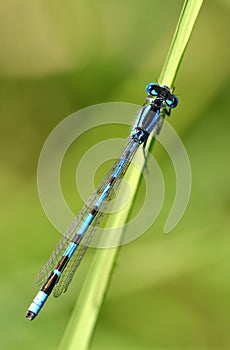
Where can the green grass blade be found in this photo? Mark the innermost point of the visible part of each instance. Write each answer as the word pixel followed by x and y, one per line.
pixel 180 41
pixel 85 314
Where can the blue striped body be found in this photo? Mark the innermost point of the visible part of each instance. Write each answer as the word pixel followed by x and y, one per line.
pixel 43 294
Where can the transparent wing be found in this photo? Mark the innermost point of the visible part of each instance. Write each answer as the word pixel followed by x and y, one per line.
pixel 69 234
pixel 72 266
pixel 67 274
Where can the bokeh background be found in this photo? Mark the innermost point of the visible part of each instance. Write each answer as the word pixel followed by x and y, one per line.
pixel 168 291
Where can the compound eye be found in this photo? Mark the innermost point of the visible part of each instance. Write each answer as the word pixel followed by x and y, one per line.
pixel 172 102
pixel 152 89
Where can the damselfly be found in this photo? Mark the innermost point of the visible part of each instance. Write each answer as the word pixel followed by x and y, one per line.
pixel 58 272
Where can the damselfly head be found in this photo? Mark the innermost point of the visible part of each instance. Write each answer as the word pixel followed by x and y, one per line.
pixel 163 92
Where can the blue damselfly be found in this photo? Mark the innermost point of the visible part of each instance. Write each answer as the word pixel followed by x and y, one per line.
pixel 55 276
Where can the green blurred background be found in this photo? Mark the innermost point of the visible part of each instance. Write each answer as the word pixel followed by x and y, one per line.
pixel 168 291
